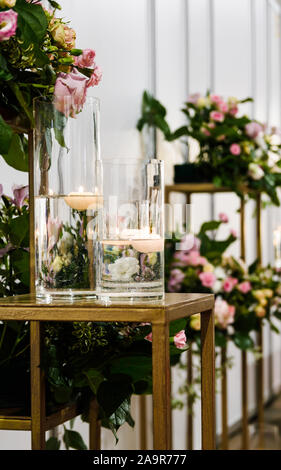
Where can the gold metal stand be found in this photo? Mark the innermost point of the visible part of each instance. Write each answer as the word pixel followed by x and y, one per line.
pixel 28 308
pixel 195 188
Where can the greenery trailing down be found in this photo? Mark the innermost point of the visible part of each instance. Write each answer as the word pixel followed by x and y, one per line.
pixel 234 151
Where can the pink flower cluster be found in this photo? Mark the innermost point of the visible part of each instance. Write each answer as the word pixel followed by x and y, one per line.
pixel 71 88
pixel 87 60
pixel 179 339
pixel 224 313
pixel 208 279
pixel 229 284
pixel 8 24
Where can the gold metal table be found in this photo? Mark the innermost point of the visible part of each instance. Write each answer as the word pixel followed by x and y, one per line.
pixel 159 314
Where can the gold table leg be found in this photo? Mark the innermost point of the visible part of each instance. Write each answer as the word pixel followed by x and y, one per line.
pixel 245 431
pixel 208 380
pixel 143 436
pixel 224 413
pixel 94 426
pixel 161 387
pixel 38 411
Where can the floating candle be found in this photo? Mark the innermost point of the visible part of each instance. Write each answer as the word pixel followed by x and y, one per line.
pixel 82 201
pixel 140 240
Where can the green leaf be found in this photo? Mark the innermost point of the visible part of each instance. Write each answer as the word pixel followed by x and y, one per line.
pixel 212 225
pixel 220 339
pixel 19 230
pixel 243 341
pixel 137 367
pixel 20 262
pixel 5 74
pixel 73 440
pixel 119 417
pixel 52 444
pixel 6 135
pixel 17 156
pixel 54 4
pixel 177 325
pixel 32 22
pixel 113 392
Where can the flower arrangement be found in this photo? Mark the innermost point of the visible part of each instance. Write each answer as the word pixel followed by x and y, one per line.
pixel 234 151
pixel 244 295
pixel 38 58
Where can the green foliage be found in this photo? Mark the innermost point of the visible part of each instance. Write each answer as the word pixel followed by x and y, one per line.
pixel 73 440
pixel 53 444
pixel 256 166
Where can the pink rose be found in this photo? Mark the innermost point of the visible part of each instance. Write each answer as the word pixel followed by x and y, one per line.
pixel 223 217
pixel 245 287
pixel 229 284
pixel 70 92
pixel 20 196
pixel 223 107
pixel 220 138
pixel 216 99
pixel 69 37
pixel 8 24
pixel 217 116
pixel 211 125
pixel 86 59
pixel 149 337
pixel 235 149
pixel 95 78
pixel 180 340
pixel 233 233
pixel 253 129
pixel 194 259
pixel 224 313
pixel 208 279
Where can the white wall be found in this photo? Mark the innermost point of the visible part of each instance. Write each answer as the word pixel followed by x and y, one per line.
pixel 176 47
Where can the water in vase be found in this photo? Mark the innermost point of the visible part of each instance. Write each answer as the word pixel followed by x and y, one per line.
pixel 132 269
pixel 65 244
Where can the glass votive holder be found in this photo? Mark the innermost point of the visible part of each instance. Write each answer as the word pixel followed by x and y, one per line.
pixel 131 244
pixel 68 196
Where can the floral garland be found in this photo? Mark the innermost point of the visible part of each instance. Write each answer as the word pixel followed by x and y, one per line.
pixel 244 295
pixel 234 151
pixel 38 58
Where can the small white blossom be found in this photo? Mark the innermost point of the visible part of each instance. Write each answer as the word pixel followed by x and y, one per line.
pixel 124 268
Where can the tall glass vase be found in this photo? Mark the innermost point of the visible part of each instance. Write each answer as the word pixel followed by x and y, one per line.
pixel 131 243
pixel 68 197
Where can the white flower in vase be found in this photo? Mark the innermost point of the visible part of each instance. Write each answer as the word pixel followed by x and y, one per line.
pixel 124 268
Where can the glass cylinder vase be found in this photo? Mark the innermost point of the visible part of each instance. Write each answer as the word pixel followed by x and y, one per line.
pixel 131 245
pixel 68 196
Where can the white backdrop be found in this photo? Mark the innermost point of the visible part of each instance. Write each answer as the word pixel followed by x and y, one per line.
pixel 173 48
